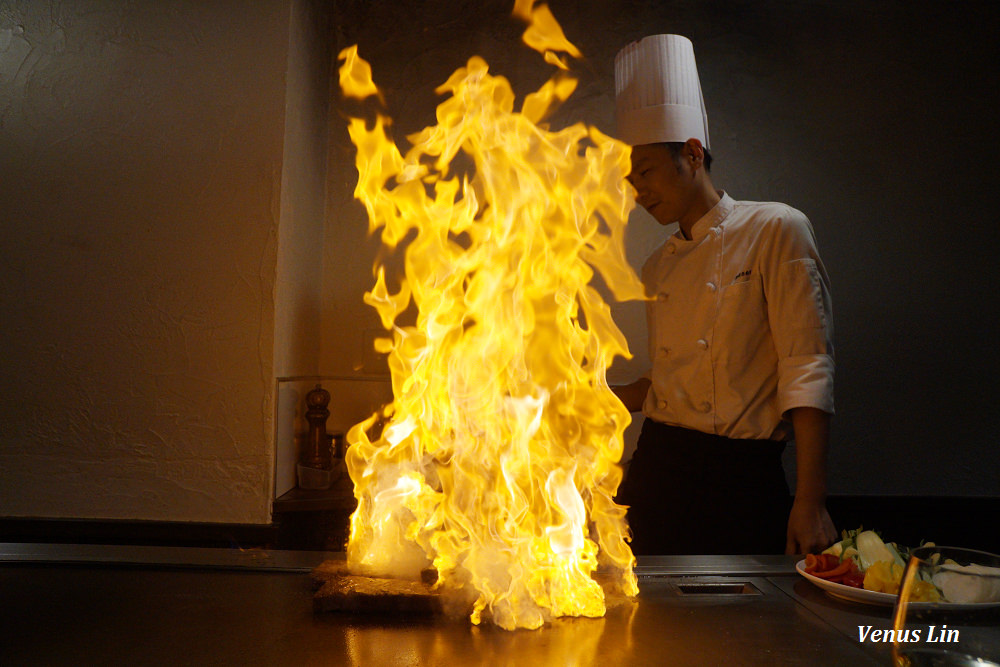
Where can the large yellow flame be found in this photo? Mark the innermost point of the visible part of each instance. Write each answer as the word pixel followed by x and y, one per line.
pixel 499 461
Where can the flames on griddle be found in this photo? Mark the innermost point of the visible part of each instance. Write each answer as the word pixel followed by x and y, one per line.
pixel 498 464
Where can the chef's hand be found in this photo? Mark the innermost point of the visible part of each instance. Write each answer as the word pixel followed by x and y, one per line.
pixel 810 529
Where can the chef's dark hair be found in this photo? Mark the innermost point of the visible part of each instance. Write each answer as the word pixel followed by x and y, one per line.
pixel 676 148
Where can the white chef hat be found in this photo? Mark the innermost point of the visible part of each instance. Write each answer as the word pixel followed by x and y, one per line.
pixel 657 92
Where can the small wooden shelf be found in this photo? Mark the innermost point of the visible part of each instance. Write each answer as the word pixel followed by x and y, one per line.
pixel 309 519
pixel 339 497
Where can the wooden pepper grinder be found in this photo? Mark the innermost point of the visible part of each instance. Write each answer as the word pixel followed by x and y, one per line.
pixel 316 453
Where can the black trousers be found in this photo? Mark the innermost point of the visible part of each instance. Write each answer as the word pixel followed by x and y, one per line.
pixel 695 493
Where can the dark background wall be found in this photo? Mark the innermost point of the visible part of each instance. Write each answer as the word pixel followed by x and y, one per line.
pixel 877 119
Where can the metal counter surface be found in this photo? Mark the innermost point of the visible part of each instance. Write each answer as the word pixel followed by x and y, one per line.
pixel 849 617
pixel 140 606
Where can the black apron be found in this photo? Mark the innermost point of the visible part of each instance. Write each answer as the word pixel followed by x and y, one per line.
pixel 696 493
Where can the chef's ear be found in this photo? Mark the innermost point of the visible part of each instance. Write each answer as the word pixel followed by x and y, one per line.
pixel 694 153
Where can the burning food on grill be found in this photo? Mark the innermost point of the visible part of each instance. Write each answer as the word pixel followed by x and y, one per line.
pixel 339 590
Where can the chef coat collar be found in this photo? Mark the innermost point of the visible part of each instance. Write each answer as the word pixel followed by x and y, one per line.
pixel 713 218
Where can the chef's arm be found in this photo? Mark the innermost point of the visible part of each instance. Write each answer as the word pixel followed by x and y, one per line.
pixel 633 395
pixel 810 529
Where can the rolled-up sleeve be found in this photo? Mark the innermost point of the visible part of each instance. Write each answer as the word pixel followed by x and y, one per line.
pixel 800 313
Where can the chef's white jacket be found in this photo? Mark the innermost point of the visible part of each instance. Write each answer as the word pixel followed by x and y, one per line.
pixel 740 323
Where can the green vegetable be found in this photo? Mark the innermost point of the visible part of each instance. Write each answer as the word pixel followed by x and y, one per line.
pixel 871 549
pixel 897 557
pixel 847 547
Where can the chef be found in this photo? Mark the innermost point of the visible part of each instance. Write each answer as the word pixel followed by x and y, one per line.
pixel 740 338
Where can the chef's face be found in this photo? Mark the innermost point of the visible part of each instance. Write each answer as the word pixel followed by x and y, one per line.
pixel 663 185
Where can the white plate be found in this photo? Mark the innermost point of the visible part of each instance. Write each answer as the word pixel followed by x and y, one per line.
pixel 843 592
pixel 851 594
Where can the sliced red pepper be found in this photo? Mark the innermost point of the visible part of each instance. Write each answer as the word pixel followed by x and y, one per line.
pixel 841 569
pixel 821 563
pixel 854 580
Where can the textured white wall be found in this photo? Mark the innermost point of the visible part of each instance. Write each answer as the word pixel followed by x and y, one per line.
pixel 140 171
pixel 303 192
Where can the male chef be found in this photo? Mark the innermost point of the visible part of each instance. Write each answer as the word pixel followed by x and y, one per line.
pixel 740 338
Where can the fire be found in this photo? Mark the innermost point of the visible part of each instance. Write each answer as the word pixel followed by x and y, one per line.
pixel 498 463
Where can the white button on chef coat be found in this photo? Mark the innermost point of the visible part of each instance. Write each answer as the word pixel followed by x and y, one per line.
pixel 767 313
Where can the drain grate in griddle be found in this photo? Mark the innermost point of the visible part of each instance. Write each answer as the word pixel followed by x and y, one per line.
pixel 726 588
